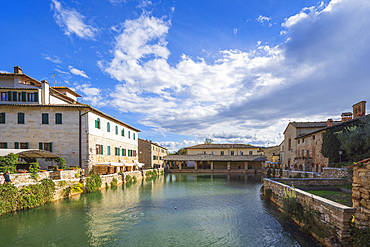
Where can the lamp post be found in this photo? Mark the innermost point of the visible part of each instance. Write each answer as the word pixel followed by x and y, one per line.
pixel 340 156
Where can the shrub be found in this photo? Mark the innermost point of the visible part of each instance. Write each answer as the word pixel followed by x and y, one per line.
pixel 134 179
pixel 162 172
pixel 281 172
pixel 8 162
pixel 269 173
pixel 62 183
pixel 93 183
pixel 128 179
pixel 34 170
pixel 28 197
pixel 114 182
pixel 360 236
pixel 155 172
pixel 305 175
pixel 268 193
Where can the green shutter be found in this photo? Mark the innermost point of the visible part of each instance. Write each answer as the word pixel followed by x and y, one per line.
pixel 123 132
pixel 40 146
pixel 36 96
pixel 101 146
pixel 2 118
pixel 119 152
pixel 96 124
pixel 108 150
pixel 5 145
pixel 134 136
pixel 24 96
pixel 14 96
pixel 51 147
pixel 16 145
pixel 10 96
pixel 26 145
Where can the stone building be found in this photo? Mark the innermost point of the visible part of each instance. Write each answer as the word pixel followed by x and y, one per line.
pixel 272 156
pixel 218 158
pixel 151 154
pixel 301 148
pixel 36 116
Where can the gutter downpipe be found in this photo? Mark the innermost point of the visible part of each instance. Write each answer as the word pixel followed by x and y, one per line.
pixel 80 136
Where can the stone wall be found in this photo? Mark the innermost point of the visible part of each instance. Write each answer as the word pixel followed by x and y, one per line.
pixel 287 173
pixel 21 179
pixel 312 181
pixel 329 172
pixel 332 216
pixel 361 193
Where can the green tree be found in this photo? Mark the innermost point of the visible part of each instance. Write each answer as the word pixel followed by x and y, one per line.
pixel 8 163
pixel 208 141
pixel 330 146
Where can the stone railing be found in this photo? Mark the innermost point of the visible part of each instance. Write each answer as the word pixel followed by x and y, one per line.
pixel 361 193
pixel 331 216
pixel 20 179
pixel 312 181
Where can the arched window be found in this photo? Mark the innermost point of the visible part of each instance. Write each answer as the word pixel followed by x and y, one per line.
pixel 108 127
pixel 97 123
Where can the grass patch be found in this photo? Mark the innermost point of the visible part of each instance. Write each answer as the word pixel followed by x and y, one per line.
pixel 335 196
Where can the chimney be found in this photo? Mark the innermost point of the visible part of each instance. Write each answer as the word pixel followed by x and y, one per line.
pixel 346 116
pixel 329 122
pixel 17 70
pixel 359 109
pixel 45 98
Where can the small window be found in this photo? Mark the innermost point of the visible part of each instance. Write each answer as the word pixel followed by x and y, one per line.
pixel 232 153
pixel 58 118
pixel 97 123
pixel 45 118
pixel 14 96
pixel 250 152
pixel 211 152
pixel 123 132
pixel 302 140
pixel 313 137
pixel 30 97
pixel 108 150
pixel 16 145
pixel 23 145
pixel 48 146
pixel 3 145
pixel 20 118
pixel 108 127
pixel 222 152
pixel 4 96
pixel 2 118
pixel 298 141
pixel 241 152
pixel 99 149
pixel 129 134
pixel 124 152
pixel 134 135
pixel 116 130
pixel 204 152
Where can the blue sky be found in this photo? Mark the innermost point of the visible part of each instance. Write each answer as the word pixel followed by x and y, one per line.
pixel 183 71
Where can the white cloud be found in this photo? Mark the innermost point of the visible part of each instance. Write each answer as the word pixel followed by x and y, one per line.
pixel 53 59
pixel 235 31
pixel 264 20
pixel 245 96
pixel 72 22
pixel 77 72
pixel 4 71
pixel 93 95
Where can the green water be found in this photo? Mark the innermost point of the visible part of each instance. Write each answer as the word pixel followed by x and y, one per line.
pixel 212 210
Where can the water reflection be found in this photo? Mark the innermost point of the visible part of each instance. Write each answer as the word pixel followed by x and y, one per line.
pixel 212 210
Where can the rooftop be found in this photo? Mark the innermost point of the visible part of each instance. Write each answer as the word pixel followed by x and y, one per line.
pixel 215 146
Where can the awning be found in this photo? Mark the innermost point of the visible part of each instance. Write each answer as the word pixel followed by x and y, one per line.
pixel 109 164
pixel 28 153
pixel 139 164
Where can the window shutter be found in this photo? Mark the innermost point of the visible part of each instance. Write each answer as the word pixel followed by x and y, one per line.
pixel 16 145
pixel 5 145
pixel 51 147
pixel 2 118
pixel 10 96
pixel 96 124
pixel 26 145
pixel 40 145
pixel 24 96
pixel 119 152
pixel 123 132
pixel 101 146
pixel 14 96
pixel 36 95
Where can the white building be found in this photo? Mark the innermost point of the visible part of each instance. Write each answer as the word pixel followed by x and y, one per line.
pixel 36 116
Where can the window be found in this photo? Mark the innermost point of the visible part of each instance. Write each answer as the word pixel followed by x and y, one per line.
pixel 116 130
pixel 211 152
pixel 123 132
pixel 241 152
pixel 3 145
pixel 123 152
pixel 16 145
pixel 45 118
pixel 2 118
pixel 14 96
pixel 108 150
pixel 302 140
pixel 232 153
pixel 97 123
pixel 134 136
pixel 289 144
pixel 298 141
pixel 4 96
pixel 58 118
pixel 222 152
pixel 48 146
pixel 129 134
pixel 117 151
pixel 204 152
pixel 108 127
pixel 24 96
pixel 308 154
pixel 30 97
pixel 313 137
pixel 134 153
pixel 20 118
pixel 23 145
pixel 99 149
pixel 250 152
